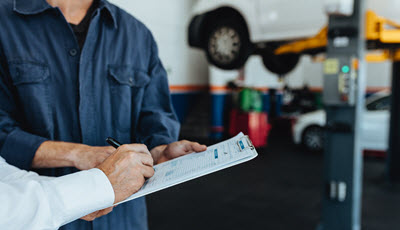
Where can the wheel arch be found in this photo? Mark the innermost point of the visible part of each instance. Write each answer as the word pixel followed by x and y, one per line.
pixel 310 126
pixel 307 128
pixel 203 23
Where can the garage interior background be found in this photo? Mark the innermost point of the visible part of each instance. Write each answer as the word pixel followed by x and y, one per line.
pixel 190 75
pixel 199 94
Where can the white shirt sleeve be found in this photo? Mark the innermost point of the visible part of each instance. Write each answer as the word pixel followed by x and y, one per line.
pixel 31 201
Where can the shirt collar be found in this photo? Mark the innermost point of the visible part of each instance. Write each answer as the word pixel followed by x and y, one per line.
pixel 110 9
pixel 31 7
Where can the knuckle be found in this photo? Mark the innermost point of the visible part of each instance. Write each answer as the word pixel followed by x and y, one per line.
pixel 147 157
pixel 142 146
pixel 136 166
pixel 131 155
pixel 124 147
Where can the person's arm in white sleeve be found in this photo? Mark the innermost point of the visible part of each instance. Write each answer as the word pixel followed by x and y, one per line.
pixel 11 173
pixel 30 201
pixel 52 202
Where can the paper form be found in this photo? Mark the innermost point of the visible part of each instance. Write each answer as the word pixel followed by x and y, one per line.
pixel 217 157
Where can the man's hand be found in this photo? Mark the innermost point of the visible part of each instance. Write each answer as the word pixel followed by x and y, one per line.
pixel 168 152
pixel 127 169
pixel 97 214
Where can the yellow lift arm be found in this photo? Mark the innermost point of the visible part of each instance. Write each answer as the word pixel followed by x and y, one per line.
pixel 378 30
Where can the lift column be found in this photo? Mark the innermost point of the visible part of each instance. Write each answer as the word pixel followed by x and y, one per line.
pixel 394 135
pixel 343 95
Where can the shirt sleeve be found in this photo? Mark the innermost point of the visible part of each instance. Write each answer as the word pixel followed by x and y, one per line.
pixel 47 203
pixel 158 123
pixel 16 146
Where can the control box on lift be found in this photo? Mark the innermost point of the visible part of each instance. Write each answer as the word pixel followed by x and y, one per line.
pixel 341 78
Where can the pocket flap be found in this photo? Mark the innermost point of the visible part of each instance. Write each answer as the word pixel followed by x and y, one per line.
pixel 129 76
pixel 28 72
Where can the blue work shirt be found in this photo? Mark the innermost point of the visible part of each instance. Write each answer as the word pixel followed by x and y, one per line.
pixel 50 90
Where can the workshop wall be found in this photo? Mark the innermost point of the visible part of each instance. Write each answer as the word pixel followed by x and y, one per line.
pixel 186 67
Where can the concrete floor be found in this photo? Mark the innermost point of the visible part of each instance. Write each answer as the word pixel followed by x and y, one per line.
pixel 280 189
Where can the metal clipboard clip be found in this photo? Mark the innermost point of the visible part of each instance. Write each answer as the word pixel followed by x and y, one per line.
pixel 241 144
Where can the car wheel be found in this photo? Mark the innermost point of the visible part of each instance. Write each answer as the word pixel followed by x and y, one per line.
pixel 228 45
pixel 313 139
pixel 280 64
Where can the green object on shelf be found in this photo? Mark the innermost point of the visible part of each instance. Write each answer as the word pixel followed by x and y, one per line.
pixel 250 100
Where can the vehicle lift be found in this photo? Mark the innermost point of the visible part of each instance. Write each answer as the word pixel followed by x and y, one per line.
pixel 345 40
pixel 382 35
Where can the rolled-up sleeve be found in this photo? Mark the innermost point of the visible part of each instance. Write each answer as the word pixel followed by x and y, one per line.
pixel 16 146
pixel 158 123
pixel 48 203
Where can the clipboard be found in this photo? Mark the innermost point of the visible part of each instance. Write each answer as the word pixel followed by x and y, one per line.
pixel 241 143
pixel 238 149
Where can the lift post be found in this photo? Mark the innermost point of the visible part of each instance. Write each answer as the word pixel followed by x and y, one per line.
pixel 343 95
pixel 393 161
pixel 380 34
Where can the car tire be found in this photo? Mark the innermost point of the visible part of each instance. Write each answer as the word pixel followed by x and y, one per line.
pixel 280 64
pixel 313 138
pixel 228 45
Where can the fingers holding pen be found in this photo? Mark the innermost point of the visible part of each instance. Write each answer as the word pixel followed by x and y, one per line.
pixel 147 171
pixel 139 148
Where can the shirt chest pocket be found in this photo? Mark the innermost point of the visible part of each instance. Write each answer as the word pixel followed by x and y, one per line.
pixel 31 82
pixel 127 89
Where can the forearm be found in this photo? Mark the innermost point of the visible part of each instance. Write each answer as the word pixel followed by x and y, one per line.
pixel 53 154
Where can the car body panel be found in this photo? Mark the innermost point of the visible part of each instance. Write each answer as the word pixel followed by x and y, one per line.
pixel 287 19
pixel 280 20
pixel 375 130
pixel 374 125
pixel 317 118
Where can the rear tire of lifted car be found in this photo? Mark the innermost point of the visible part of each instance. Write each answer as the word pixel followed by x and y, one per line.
pixel 280 64
pixel 227 44
pixel 313 138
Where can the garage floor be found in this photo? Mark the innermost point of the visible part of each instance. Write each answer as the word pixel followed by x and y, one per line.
pixel 280 189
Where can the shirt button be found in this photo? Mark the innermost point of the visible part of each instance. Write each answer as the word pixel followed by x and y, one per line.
pixel 73 52
pixel 131 80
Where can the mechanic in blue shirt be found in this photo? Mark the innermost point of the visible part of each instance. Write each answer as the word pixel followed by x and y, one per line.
pixel 68 81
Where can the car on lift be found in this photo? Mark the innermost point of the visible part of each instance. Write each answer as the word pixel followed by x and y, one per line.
pixel 307 129
pixel 229 31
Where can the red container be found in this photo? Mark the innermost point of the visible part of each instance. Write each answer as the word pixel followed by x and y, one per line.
pixel 253 124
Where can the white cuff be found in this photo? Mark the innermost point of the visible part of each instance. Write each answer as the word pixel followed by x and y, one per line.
pixel 80 194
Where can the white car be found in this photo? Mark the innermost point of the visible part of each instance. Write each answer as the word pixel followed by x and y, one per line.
pixel 229 31
pixel 308 128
